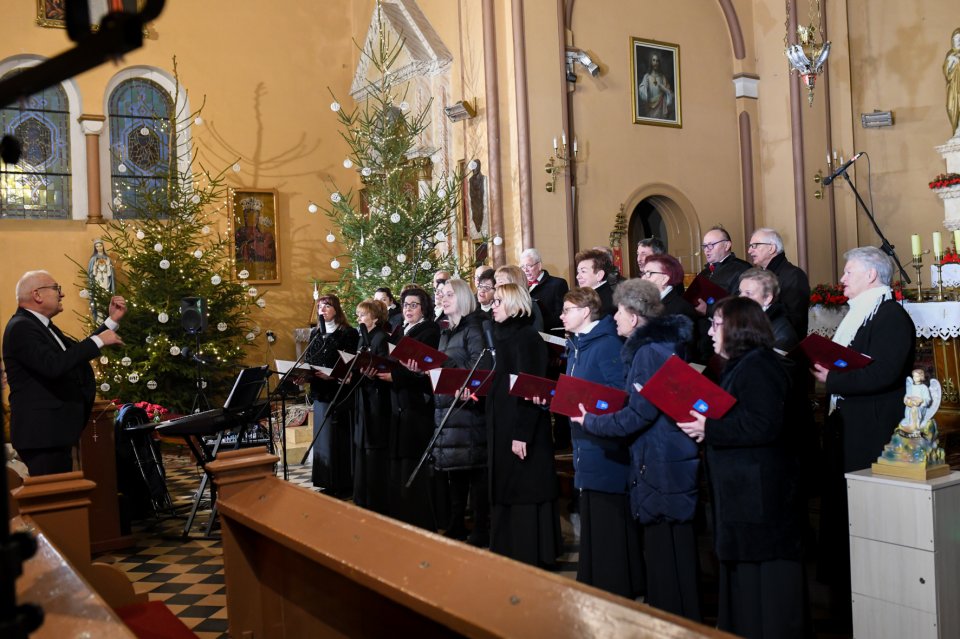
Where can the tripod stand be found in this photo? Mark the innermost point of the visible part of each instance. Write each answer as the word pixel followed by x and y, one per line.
pixel 200 401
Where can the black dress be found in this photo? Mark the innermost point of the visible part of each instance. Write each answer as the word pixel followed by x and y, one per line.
pixel 332 453
pixel 411 427
pixel 371 434
pixel 525 523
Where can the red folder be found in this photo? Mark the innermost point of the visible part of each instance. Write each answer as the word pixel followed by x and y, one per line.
pixel 365 360
pixel 676 389
pixel 426 357
pixel 702 288
pixel 817 349
pixel 596 398
pixel 447 381
pixel 525 385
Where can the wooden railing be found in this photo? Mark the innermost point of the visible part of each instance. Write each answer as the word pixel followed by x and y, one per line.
pixel 300 564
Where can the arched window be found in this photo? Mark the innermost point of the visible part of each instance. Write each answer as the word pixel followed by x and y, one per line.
pixel 39 186
pixel 142 152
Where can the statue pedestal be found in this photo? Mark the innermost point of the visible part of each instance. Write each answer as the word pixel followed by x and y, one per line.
pixel 951 194
pixel 906 470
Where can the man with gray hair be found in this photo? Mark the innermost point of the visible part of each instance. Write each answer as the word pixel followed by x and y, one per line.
pixel 865 404
pixel 52 386
pixel 766 251
pixel 545 289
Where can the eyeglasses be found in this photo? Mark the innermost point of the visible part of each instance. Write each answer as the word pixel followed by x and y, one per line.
pixel 753 245
pixel 706 246
pixel 411 305
pixel 485 287
pixel 497 301
pixel 56 287
pixel 714 322
pixel 567 309
pixel 439 282
pixel 645 273
pixel 525 267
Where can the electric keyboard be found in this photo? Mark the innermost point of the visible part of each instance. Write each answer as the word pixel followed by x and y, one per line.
pixel 206 422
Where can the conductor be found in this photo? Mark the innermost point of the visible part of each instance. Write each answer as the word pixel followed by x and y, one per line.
pixel 52 386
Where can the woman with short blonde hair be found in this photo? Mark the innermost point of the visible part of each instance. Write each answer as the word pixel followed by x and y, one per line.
pixel 514 300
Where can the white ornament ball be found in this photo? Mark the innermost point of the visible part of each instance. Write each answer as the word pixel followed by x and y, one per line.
pixel 473 165
pixel 118 201
pixel 250 337
pixel 426 265
pixel 262 303
pixel 126 361
pixel 334 264
pixel 133 378
pixel 195 199
pixel 174 350
pixel 84 293
pixel 163 318
pixel 497 241
pixel 164 264
pixel 222 326
pixel 198 254
pixel 312 208
pixel 144 131
pixel 150 339
pixel 395 218
pixel 441 193
pixel 401 258
pixel 104 387
pixel 334 106
pixel 205 230
pixel 366 171
pixel 331 237
pixel 335 197
pixel 252 291
pixel 404 106
pixel 158 247
pixel 122 168
pixel 152 384
pixel 104 360
pixel 441 236
pixel 348 163
pixel 198 121
pixel 141 235
pixel 386 271
pixel 236 167
pixel 244 274
pixel 215 280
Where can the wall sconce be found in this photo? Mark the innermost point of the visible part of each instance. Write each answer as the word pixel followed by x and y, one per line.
pixel 461 110
pixel 834 160
pixel 559 161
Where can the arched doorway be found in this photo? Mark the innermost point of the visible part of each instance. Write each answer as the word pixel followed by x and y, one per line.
pixel 663 212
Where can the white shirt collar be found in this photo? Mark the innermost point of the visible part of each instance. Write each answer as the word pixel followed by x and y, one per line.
pixel 39 316
pixel 665 292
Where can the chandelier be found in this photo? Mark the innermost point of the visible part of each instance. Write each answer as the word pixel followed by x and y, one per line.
pixel 808 55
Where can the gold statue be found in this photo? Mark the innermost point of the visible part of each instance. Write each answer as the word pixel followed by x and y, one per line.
pixel 914 450
pixel 951 71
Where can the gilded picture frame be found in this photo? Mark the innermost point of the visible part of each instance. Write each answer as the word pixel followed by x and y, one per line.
pixel 50 13
pixel 655 78
pixel 255 234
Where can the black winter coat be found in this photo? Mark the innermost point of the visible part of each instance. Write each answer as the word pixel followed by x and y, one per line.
pixel 752 462
pixel 784 334
pixel 514 481
pixel 323 352
pixel 872 403
pixel 463 442
pixel 664 461
pixel 794 292
pixel 548 293
pixel 413 400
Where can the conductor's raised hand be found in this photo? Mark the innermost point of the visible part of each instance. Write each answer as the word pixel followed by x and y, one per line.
pixel 118 308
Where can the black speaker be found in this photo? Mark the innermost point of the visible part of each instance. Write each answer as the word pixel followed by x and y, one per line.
pixel 193 315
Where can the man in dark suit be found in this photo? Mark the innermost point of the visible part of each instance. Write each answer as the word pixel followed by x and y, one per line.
pixel 766 251
pixel 52 386
pixel 723 266
pixel 545 289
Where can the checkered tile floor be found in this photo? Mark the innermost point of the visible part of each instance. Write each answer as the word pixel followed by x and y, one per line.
pixel 187 574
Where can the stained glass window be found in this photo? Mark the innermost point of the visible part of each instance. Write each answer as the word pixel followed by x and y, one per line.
pixel 39 186
pixel 141 116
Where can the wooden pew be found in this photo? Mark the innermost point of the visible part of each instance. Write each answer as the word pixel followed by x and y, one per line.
pixel 301 564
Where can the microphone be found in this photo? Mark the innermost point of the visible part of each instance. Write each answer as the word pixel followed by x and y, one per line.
pixel 195 357
pixel 323 326
pixel 364 335
pixel 488 335
pixel 827 181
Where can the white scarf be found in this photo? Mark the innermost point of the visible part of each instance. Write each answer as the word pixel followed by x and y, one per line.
pixel 862 309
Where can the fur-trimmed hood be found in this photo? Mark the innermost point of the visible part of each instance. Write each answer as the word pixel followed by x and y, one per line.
pixel 674 329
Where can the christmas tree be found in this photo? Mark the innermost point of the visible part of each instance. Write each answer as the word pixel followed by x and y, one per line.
pixel 164 249
pixel 391 230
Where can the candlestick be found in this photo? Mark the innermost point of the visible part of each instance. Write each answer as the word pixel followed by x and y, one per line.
pixel 918 265
pixel 915 245
pixel 937 244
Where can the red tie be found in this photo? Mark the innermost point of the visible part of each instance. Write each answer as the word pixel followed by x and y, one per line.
pixel 531 283
pixel 712 267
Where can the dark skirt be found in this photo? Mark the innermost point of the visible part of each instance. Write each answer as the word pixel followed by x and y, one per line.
pixel 412 505
pixel 671 559
pixel 527 532
pixel 611 555
pixel 332 458
pixel 763 599
pixel 370 479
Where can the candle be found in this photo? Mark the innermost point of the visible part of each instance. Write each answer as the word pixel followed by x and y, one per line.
pixel 834 155
pixel 563 138
pixel 956 240
pixel 554 144
pixel 828 159
pixel 937 244
pixel 915 245
pixel 574 146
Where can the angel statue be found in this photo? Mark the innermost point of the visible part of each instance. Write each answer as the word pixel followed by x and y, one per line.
pixel 915 440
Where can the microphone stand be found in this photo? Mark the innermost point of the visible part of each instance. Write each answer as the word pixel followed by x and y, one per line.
pixel 885 245
pixel 449 413
pixel 333 402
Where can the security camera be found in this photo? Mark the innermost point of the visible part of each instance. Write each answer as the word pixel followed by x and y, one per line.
pixel 580 56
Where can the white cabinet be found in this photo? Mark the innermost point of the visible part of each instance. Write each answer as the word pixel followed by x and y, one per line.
pixel 904 556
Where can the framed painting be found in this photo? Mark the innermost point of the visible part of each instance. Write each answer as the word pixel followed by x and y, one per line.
pixel 51 13
pixel 255 241
pixel 655 70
